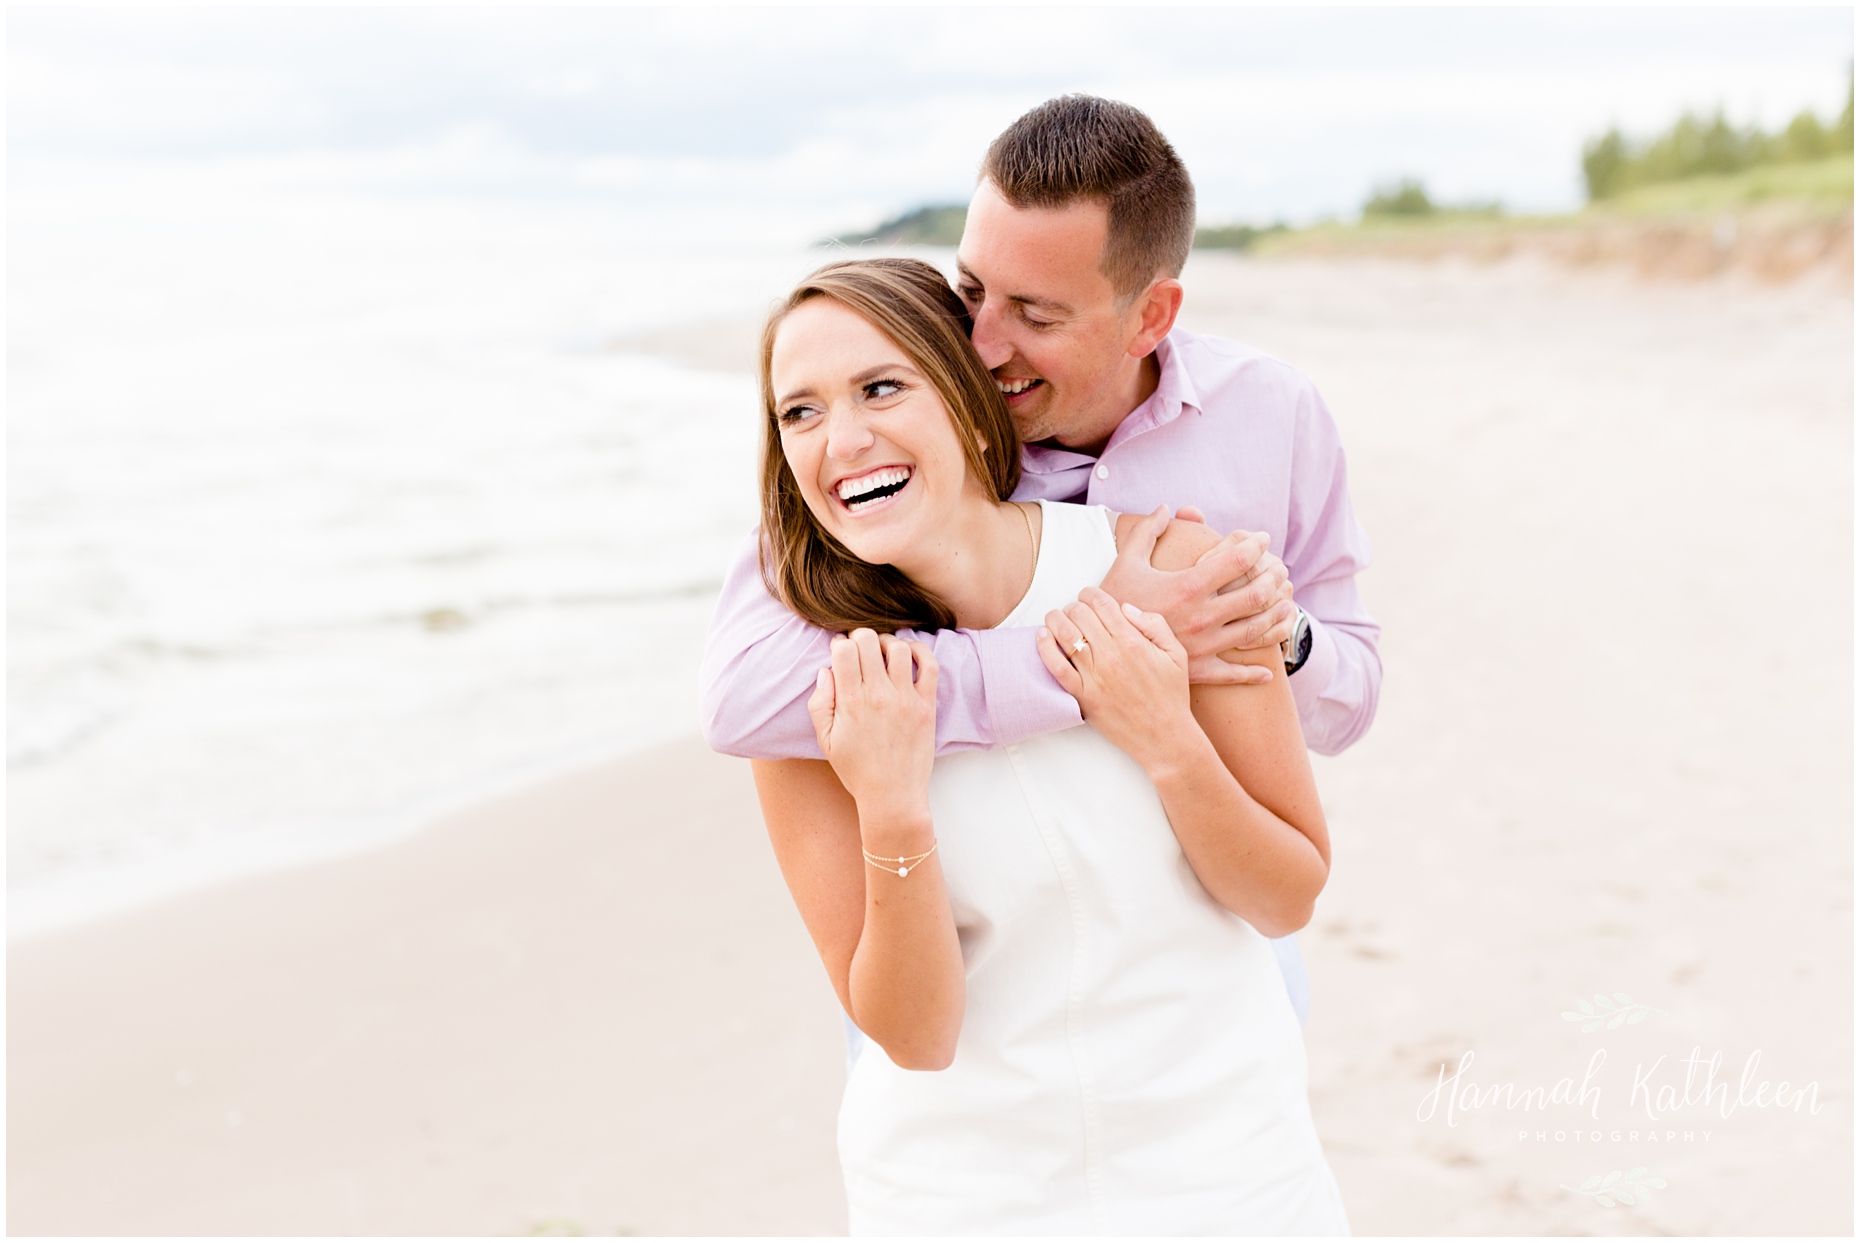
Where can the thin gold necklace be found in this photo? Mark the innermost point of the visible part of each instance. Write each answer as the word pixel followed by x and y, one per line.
pixel 1033 541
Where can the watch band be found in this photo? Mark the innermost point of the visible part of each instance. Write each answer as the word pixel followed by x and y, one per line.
pixel 1297 649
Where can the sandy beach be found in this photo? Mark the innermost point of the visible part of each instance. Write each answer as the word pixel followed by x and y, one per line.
pixel 1613 529
pixel 589 1008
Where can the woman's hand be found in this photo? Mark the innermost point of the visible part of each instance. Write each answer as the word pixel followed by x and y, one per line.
pixel 888 939
pixel 1130 676
pixel 877 727
pixel 1233 773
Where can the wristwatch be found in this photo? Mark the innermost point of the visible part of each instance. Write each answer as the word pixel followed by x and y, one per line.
pixel 1297 649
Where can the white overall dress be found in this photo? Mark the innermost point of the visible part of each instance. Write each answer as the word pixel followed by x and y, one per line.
pixel 1129 1061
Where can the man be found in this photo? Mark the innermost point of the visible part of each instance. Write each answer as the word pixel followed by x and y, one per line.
pixel 1078 230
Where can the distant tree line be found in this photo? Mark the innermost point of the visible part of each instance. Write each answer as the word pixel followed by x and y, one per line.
pixel 939 224
pixel 1698 146
pixel 1409 197
pixel 1695 146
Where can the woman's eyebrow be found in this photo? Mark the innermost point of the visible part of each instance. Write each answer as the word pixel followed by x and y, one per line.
pixel 884 369
pixel 864 377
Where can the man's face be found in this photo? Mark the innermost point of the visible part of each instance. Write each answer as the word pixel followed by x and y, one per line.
pixel 1047 322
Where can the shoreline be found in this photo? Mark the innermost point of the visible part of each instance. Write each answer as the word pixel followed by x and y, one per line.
pixel 84 895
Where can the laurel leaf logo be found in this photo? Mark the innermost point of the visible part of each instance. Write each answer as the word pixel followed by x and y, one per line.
pixel 1615 1187
pixel 1609 1012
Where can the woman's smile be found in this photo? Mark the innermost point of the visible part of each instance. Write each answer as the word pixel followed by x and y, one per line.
pixel 871 489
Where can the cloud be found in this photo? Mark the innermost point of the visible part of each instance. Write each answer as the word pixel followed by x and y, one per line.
pixel 1279 112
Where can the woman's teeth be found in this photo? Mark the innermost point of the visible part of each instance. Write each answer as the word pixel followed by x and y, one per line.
pixel 867 489
pixel 1010 387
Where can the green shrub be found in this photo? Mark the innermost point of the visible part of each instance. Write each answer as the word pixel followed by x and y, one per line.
pixel 1233 236
pixel 1699 146
pixel 1406 197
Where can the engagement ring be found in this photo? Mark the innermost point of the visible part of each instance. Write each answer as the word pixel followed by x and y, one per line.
pixel 1078 647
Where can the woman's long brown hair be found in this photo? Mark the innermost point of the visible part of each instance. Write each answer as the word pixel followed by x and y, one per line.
pixel 805 567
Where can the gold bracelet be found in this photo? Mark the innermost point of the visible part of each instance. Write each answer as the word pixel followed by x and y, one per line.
pixel 904 863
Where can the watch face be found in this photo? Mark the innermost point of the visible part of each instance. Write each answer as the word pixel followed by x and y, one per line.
pixel 1300 645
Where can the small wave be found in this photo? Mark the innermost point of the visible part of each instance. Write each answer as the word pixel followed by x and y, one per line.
pixel 43 740
pixel 491 606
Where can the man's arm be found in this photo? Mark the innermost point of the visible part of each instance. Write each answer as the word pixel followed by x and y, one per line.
pixel 1325 547
pixel 761 662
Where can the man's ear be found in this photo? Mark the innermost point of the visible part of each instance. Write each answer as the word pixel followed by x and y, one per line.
pixel 1157 308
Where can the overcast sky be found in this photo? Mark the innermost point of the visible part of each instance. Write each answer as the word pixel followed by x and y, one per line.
pixel 855 112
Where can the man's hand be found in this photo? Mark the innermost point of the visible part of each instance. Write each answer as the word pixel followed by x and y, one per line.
pixel 1237 595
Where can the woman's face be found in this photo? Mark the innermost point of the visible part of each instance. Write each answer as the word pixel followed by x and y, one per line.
pixel 867 437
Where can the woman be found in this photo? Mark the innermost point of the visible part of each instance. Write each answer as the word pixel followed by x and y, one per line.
pixel 1060 947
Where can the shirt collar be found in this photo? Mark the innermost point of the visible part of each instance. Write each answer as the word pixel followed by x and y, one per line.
pixel 1175 392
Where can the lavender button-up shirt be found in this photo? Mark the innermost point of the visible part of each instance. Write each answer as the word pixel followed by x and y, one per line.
pixel 1236 432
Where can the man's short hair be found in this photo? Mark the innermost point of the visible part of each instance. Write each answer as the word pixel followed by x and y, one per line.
pixel 1082 147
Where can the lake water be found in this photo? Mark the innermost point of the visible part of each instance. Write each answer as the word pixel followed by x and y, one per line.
pixel 328 509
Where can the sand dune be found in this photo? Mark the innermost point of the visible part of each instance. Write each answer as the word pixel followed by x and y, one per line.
pixel 1613 525
pixel 1773 243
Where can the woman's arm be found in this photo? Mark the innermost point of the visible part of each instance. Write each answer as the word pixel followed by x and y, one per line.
pixel 888 941
pixel 1229 761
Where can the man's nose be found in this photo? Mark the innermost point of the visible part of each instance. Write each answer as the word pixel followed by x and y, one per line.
pixel 990 340
pixel 847 434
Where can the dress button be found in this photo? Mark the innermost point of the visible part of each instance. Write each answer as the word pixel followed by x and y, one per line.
pixel 1103 471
